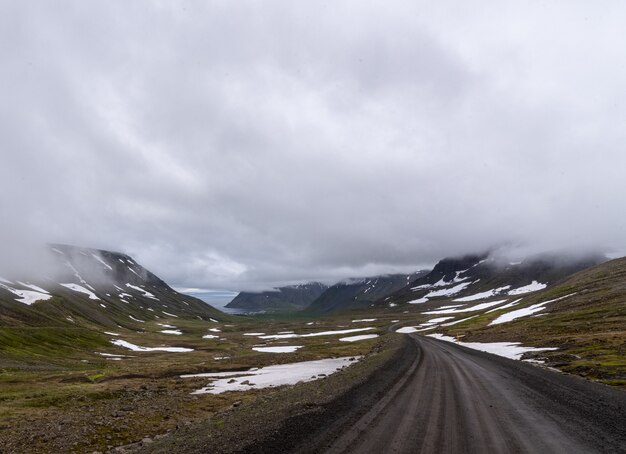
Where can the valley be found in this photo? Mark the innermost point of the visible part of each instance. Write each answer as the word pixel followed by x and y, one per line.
pixel 111 359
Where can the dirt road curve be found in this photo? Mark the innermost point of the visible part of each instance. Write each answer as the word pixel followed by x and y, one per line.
pixel 456 400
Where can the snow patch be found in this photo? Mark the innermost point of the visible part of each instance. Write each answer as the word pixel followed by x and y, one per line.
pixel 483 295
pixel 27 297
pixel 526 311
pixel 80 289
pixel 322 333
pixel 99 259
pixel 532 287
pixel 282 349
pixel 137 348
pixel 146 293
pixel 512 350
pixel 171 331
pixel 478 307
pixel 358 338
pixel 277 375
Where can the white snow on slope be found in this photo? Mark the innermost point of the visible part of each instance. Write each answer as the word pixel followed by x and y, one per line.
pixel 532 287
pixel 111 334
pixel 506 306
pixel 33 287
pixel 81 289
pixel 442 283
pixel 136 319
pixel 146 293
pixel 281 349
pixel 27 297
pixel 99 259
pixel 525 311
pixel 483 295
pixel 364 320
pixel 322 333
pixel 459 321
pixel 277 375
pixel 419 301
pixel 253 334
pixel 171 331
pixel 407 330
pixel 512 350
pixel 133 271
pixel 209 336
pixel 215 330
pixel 358 338
pixel 450 291
pixel 137 348
pixel 478 307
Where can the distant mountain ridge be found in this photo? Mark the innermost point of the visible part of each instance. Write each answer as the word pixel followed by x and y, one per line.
pixel 289 298
pixel 92 286
pixel 361 292
pixel 473 275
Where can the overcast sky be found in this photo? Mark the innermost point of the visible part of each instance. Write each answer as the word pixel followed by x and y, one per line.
pixel 245 144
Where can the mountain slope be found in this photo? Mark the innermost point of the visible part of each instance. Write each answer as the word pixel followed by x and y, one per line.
pixel 358 293
pixel 293 297
pixel 476 277
pixel 94 287
pixel 583 317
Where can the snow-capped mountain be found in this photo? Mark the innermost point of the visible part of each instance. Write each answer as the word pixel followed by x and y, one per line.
pixel 356 293
pixel 90 286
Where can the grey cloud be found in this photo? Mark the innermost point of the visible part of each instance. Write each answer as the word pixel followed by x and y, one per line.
pixel 243 145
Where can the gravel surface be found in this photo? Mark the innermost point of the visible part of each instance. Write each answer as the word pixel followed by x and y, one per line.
pixel 457 400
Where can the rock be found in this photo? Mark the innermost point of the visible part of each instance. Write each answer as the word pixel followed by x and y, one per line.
pixel 146 440
pixel 237 403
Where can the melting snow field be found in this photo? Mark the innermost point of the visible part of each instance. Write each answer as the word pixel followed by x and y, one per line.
pixel 407 330
pixel 282 349
pixel 525 311
pixel 171 331
pixel 483 295
pixel 27 296
pixel 364 320
pixel 146 293
pixel 137 348
pixel 358 338
pixel 321 333
pixel 478 307
pixel 265 377
pixel 80 289
pixel 512 350
pixel 532 287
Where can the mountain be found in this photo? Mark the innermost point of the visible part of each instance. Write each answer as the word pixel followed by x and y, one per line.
pixel 94 287
pixel 581 319
pixel 358 293
pixel 290 298
pixel 474 277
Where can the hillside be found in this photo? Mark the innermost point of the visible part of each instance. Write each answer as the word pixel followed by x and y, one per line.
pixel 359 293
pixel 289 298
pixel 92 287
pixel 475 277
pixel 583 317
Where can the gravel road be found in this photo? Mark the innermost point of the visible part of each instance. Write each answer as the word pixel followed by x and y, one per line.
pixel 456 400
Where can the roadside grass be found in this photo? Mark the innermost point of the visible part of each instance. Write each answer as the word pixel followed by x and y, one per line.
pixel 52 375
